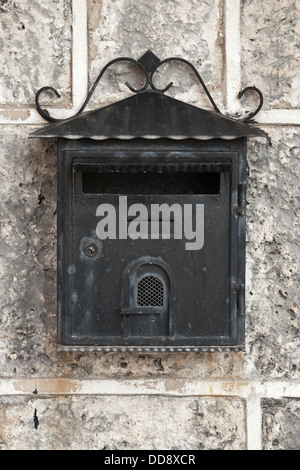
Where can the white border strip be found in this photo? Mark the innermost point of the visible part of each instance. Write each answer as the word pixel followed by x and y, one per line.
pixel 232 55
pixel 254 423
pixel 30 117
pixel 23 116
pixel 80 67
pixel 169 387
pixel 283 117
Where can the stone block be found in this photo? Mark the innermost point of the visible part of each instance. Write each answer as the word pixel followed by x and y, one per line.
pixel 270 50
pixel 281 424
pixel 221 423
pixel 273 254
pixel 27 251
pixel 35 42
pixel 121 423
pixel 191 30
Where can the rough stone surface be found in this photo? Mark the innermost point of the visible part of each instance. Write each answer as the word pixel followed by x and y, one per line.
pixel 191 29
pixel 28 272
pixel 35 42
pixel 35 49
pixel 281 424
pixel 27 251
pixel 273 254
pixel 221 423
pixel 270 50
pixel 129 423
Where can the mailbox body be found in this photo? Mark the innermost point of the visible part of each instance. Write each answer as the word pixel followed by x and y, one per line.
pixel 151 293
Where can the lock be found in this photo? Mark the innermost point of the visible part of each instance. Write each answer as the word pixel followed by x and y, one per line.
pixel 90 248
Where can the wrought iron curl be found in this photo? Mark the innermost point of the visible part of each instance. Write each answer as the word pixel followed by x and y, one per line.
pixel 184 61
pixel 149 65
pixel 261 97
pixel 45 113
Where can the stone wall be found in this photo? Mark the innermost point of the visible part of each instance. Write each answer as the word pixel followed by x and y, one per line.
pixel 58 400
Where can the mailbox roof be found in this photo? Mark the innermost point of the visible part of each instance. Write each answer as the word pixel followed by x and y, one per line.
pixel 149 115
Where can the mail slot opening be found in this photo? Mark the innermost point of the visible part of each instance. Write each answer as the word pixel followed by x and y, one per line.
pixel 151 183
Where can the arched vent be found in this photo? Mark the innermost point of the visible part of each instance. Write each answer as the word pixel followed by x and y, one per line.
pixel 150 292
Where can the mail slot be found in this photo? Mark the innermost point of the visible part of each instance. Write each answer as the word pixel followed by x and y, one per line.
pixel 151 225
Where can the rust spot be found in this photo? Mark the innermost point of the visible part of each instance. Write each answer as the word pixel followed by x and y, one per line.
pixel 51 386
pixel 174 385
pixel 15 115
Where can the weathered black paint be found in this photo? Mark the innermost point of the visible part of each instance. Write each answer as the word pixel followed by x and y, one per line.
pixel 149 115
pixel 154 149
pixel 204 307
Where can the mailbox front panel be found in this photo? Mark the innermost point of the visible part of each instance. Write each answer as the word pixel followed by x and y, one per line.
pixel 150 247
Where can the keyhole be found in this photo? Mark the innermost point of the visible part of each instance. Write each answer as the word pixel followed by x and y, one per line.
pixel 90 249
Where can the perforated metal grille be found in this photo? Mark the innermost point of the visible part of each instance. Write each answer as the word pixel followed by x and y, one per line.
pixel 150 292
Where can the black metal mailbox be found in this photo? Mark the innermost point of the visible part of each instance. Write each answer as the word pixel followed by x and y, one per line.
pixel 151 223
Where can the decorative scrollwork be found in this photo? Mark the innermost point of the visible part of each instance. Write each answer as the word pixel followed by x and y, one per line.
pixel 45 113
pixel 149 64
pixel 251 115
pixel 184 61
